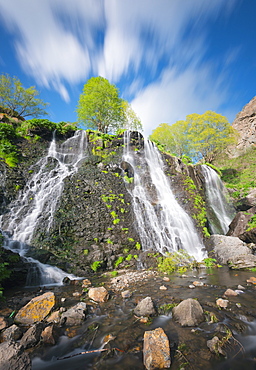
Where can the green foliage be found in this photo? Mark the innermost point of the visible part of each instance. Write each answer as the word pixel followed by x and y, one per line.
pixel 138 246
pixel 252 223
pixel 200 137
pixel 100 106
pixel 129 257
pixel 96 265
pixel 19 101
pixel 239 174
pixel 131 120
pixel 86 252
pixel 210 262
pixel 178 261
pixel 44 124
pixel 114 273
pixel 119 261
pixel 8 150
pixel 165 308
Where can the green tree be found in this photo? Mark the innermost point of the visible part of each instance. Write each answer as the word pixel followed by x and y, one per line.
pixel 100 106
pixel 200 137
pixel 210 133
pixel 17 100
pixel 131 120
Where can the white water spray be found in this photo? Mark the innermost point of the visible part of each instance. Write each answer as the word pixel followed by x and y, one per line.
pixel 222 213
pixel 162 223
pixel 38 202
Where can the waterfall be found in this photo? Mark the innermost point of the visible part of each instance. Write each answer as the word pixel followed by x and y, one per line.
pixel 162 223
pixel 219 212
pixel 38 201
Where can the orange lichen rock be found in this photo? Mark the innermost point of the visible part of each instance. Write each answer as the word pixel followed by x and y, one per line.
pixel 36 310
pixel 156 350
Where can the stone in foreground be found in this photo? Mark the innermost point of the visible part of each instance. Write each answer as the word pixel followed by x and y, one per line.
pixel 13 357
pixel 36 310
pixel 98 294
pixel 145 307
pixel 156 350
pixel 74 315
pixel 188 313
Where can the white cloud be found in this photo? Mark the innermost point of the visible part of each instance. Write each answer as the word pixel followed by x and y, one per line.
pixel 56 43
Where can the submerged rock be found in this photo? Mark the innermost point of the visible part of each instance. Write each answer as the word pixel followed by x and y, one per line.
pixel 145 307
pixel 188 313
pixel 156 350
pixel 36 310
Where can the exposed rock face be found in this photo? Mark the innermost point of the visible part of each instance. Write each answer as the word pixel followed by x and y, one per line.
pixel 245 124
pixel 13 357
pixel 188 313
pixel 11 333
pixel 249 236
pixel 32 336
pixel 36 310
pixel 227 247
pixel 240 223
pixel 156 350
pixel 242 262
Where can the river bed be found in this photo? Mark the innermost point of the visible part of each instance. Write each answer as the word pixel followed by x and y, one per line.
pixel 115 319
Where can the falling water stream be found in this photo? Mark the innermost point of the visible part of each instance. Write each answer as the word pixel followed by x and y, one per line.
pixel 162 223
pixel 220 213
pixel 37 203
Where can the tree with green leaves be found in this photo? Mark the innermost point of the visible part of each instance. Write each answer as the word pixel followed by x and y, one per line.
pixel 18 101
pixel 200 137
pixel 100 107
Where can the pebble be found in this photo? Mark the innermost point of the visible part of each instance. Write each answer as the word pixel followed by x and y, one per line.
pixel 198 283
pixel 166 278
pixel 163 287
pixel 126 294
pixel 191 286
pixel 240 287
pixel 222 302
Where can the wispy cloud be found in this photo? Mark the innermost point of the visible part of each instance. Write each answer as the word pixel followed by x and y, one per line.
pixel 157 46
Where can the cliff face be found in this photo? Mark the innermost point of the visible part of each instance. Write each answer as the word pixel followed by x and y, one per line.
pixel 94 219
pixel 245 124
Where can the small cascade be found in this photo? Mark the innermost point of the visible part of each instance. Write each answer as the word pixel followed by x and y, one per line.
pixel 162 223
pixel 219 212
pixel 38 201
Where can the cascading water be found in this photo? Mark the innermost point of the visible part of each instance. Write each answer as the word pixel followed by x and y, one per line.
pixel 37 203
pixel 162 223
pixel 220 213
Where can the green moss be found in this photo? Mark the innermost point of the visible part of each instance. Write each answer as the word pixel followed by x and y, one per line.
pixel 119 261
pixel 178 261
pixel 96 265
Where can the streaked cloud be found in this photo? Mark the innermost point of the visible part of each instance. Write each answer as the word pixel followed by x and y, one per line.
pixel 61 43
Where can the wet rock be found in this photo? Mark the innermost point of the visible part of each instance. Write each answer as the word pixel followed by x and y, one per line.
pixel 240 287
pixel 252 280
pixel 32 336
pixel 166 278
pixel 230 293
pixel 163 287
pixel 76 294
pixel 156 350
pixel 191 286
pixel 86 283
pixel 11 333
pixel 36 310
pixel 249 236
pixel 242 262
pixel 126 294
pixel 75 315
pixel 227 247
pixel 198 283
pixel 50 335
pixel 240 223
pixel 98 294
pixel 54 317
pixel 3 323
pixel 223 303
pixel 188 313
pixel 215 346
pixel 145 307
pixel 13 357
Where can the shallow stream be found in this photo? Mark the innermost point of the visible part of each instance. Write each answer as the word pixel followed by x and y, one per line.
pixel 188 344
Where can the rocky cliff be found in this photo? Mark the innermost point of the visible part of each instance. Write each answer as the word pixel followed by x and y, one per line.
pixel 95 221
pixel 245 124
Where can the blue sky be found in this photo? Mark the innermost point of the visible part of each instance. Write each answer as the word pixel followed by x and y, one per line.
pixel 169 58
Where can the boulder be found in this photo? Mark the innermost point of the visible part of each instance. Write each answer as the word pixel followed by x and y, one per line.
pixel 239 224
pixel 50 335
pixel 13 357
pixel 32 336
pixel 75 315
pixel 188 313
pixel 227 247
pixel 36 310
pixel 249 236
pixel 98 294
pixel 223 303
pixel 156 350
pixel 145 307
pixel 11 333
pixel 242 262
